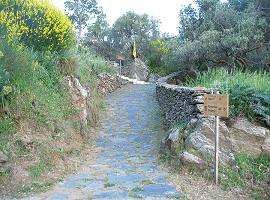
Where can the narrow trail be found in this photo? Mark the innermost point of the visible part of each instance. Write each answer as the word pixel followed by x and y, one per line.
pixel 126 167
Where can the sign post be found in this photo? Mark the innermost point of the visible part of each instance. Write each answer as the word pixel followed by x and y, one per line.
pixel 216 105
pixel 120 69
pixel 120 58
pixel 216 146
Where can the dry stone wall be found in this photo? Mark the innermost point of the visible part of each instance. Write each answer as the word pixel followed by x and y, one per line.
pixel 179 103
pixel 108 83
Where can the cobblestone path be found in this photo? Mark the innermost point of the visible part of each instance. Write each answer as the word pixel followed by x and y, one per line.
pixel 126 167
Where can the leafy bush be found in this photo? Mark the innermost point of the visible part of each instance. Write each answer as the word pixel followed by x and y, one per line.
pixel 156 61
pixel 249 91
pixel 38 24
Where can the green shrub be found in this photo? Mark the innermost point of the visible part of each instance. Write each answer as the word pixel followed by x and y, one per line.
pixel 155 60
pixel 38 24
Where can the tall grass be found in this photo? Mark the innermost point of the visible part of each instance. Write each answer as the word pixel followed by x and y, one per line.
pixel 252 174
pixel 259 81
pixel 35 94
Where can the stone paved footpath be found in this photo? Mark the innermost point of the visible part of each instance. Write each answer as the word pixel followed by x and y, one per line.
pixel 126 167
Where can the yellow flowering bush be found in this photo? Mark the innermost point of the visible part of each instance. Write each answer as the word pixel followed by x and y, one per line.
pixel 38 24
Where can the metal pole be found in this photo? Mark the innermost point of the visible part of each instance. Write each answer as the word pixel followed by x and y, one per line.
pixel 216 145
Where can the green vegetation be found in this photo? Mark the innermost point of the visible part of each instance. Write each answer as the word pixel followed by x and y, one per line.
pixel 226 79
pixel 37 24
pixel 81 12
pixel 39 120
pixel 156 62
pixel 252 174
pixel 231 34
pixel 137 189
pixel 249 96
pixel 249 91
pixel 119 39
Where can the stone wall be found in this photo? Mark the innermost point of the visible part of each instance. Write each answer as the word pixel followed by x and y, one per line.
pixel 108 83
pixel 179 103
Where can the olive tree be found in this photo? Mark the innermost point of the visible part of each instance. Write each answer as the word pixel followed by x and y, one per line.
pixel 221 34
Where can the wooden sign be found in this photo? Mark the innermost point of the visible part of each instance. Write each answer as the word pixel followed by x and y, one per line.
pixel 120 57
pixel 216 105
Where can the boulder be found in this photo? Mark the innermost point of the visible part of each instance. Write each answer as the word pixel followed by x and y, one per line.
pixel 198 137
pixel 139 70
pixel 173 140
pixel 242 136
pixel 202 139
pixel 80 95
pixel 247 137
pixel 187 158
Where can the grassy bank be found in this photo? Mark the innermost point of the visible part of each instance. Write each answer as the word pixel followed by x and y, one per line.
pixel 41 136
pixel 40 125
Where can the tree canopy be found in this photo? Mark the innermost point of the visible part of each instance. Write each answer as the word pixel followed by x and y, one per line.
pixel 119 38
pixel 222 34
pixel 81 12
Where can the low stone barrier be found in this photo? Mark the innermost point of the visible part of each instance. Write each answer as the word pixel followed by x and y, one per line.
pixel 179 103
pixel 108 83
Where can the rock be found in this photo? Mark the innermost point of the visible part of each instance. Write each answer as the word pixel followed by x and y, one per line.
pixel 3 158
pixel 247 137
pixel 153 78
pixel 139 70
pixel 192 124
pixel 198 100
pixel 202 139
pixel 266 146
pixel 199 91
pixel 190 159
pixel 83 91
pixel 200 108
pixel 80 95
pixel 243 136
pixel 179 103
pixel 186 104
pixel 173 140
